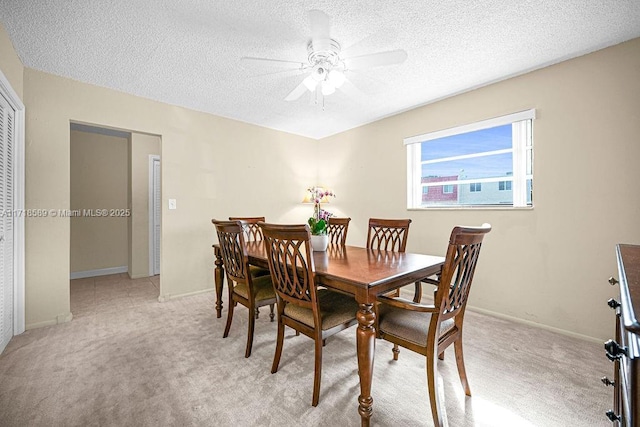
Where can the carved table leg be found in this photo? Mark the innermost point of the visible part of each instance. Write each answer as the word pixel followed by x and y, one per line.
pixel 219 280
pixel 366 345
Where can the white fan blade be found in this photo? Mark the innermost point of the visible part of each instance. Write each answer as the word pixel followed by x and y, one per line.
pixel 285 73
pixel 363 79
pixel 375 59
pixel 297 92
pixel 265 62
pixel 320 24
pixel 351 90
pixel 371 43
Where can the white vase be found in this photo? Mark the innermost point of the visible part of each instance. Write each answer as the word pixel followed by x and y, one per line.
pixel 319 243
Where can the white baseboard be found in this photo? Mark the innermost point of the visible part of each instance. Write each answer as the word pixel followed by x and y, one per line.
pixel 535 324
pixel 426 296
pixel 167 297
pixel 99 272
pixel 62 318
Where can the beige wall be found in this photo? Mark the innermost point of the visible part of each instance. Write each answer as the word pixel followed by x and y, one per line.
pixel 142 146
pixel 10 64
pixel 214 167
pixel 99 180
pixel 548 265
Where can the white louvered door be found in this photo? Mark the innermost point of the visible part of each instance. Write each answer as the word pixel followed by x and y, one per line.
pixel 7 132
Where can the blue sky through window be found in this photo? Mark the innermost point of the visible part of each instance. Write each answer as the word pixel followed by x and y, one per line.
pixel 497 138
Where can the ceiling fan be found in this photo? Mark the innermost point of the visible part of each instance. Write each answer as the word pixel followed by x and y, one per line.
pixel 326 66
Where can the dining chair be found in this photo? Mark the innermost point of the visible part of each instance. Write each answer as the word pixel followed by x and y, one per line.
pixel 428 329
pixel 337 229
pixel 391 235
pixel 244 288
pixel 388 234
pixel 315 312
pixel 252 233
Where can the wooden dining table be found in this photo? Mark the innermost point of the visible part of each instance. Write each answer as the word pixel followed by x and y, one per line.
pixel 363 273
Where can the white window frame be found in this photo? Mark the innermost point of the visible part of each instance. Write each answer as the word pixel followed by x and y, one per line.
pixel 523 142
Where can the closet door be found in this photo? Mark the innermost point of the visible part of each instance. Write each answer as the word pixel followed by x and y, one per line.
pixel 7 119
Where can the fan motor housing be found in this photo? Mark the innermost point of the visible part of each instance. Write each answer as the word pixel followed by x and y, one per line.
pixel 324 52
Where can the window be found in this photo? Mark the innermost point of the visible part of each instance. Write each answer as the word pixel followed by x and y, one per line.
pixel 455 163
pixel 504 185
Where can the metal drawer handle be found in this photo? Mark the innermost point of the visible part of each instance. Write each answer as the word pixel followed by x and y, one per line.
pixel 606 381
pixel 613 303
pixel 612 416
pixel 612 281
pixel 614 351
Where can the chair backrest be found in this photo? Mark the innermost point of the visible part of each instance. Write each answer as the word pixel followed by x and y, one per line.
pixel 233 249
pixel 388 234
pixel 291 264
pixel 337 229
pixel 252 232
pixel 458 269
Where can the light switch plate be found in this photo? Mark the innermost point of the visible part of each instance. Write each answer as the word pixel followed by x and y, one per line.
pixel 172 203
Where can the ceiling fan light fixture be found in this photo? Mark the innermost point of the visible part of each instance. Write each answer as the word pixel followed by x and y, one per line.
pixel 326 67
pixel 327 88
pixel 336 77
pixel 319 73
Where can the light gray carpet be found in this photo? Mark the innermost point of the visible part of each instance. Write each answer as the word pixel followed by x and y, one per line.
pixel 144 363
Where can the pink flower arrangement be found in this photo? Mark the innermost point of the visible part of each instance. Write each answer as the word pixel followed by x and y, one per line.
pixel 318 222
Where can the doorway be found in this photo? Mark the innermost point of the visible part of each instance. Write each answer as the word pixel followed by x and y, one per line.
pixel 110 256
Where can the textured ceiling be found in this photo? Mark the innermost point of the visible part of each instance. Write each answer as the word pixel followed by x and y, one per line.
pixel 188 52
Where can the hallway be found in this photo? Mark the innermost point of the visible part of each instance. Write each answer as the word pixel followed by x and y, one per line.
pixel 112 293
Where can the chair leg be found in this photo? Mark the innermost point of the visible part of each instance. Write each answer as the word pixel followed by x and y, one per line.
pixel 252 323
pixel 229 318
pixel 257 312
pixel 279 343
pixel 432 384
pixel 396 352
pixel 271 314
pixel 457 345
pixel 317 372
pixel 417 296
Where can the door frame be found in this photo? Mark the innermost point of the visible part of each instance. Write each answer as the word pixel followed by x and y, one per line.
pixel 152 159
pixel 18 205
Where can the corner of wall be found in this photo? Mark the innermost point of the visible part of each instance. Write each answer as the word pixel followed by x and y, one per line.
pixel 10 64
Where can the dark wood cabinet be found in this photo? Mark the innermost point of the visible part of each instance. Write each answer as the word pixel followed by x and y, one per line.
pixel 624 350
